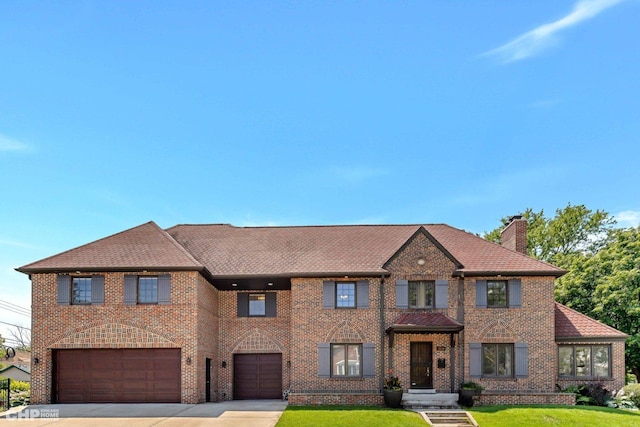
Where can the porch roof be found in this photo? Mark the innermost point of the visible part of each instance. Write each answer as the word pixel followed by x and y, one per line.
pixel 425 323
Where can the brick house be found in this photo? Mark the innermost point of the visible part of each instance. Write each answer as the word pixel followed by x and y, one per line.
pixel 201 313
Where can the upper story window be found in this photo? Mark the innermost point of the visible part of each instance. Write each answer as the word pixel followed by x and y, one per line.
pixel 81 290
pixel 584 361
pixel 256 304
pixel 345 295
pixel 148 290
pixel 422 294
pixel 497 293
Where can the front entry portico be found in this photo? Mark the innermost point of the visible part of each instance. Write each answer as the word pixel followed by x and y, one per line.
pixel 422 351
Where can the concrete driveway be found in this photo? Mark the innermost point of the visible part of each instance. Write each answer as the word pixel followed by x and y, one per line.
pixel 238 413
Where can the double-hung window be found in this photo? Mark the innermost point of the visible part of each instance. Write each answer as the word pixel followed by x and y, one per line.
pixel 147 290
pixel 345 295
pixel 80 290
pixel 497 293
pixel 257 304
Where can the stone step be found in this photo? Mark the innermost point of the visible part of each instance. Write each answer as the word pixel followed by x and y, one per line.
pixel 430 400
pixel 449 418
pixel 422 391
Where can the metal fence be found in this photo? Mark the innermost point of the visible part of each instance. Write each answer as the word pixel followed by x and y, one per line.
pixel 4 394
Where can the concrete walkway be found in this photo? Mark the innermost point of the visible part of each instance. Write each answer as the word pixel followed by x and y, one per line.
pixel 238 413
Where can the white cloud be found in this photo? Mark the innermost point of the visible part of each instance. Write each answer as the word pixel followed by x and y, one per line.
pixel 628 218
pixel 535 41
pixel 9 144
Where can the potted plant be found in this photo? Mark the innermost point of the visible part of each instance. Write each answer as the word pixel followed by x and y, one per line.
pixel 468 390
pixel 392 391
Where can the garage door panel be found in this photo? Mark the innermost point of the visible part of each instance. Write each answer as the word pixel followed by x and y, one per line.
pixel 257 376
pixel 117 375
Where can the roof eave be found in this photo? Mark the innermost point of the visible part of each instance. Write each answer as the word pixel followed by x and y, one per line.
pixel 622 337
pixel 36 270
pixel 429 329
pixel 328 274
pixel 478 273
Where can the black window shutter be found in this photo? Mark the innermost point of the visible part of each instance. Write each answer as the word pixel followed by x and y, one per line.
pixel 328 294
pixel 402 294
pixel 362 293
pixel 130 289
pixel 271 306
pixel 164 289
pixel 97 289
pixel 475 360
pixel 481 293
pixel 243 304
pixel 64 291
pixel 522 359
pixel 442 294
pixel 324 360
pixel 368 360
pixel 515 293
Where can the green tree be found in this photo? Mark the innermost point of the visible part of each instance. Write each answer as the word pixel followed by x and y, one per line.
pixel 574 230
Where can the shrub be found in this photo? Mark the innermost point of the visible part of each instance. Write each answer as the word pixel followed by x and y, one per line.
pixel 631 378
pixel 590 394
pixel 632 391
pixel 20 386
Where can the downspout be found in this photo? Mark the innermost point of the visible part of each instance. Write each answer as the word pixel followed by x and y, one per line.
pixel 382 322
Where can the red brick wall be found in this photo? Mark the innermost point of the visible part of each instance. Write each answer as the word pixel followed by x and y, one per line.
pixel 251 335
pixel 115 325
pixel 514 236
pixel 533 324
pixel 497 398
pixel 311 324
pixel 208 337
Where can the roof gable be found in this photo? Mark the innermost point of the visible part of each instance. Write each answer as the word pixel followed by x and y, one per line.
pixel 146 246
pixel 570 324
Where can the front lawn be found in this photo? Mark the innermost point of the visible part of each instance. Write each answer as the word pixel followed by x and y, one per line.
pixel 557 416
pixel 348 416
pixel 486 416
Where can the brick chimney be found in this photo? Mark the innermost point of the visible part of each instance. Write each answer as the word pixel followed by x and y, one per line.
pixel 514 235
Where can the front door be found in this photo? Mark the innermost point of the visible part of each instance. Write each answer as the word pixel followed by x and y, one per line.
pixel 421 364
pixel 207 380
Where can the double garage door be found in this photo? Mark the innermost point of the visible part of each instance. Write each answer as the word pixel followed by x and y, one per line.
pixel 117 375
pixel 257 376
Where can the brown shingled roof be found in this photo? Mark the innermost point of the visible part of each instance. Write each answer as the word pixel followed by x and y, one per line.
pixel 226 251
pixel 425 322
pixel 146 246
pixel 346 249
pixel 573 325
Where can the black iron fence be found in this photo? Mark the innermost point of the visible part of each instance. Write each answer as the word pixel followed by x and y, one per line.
pixel 5 385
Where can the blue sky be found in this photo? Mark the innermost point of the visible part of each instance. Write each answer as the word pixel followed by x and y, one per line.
pixel 291 112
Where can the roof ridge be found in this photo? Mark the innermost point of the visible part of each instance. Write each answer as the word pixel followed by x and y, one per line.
pixel 304 226
pixel 175 243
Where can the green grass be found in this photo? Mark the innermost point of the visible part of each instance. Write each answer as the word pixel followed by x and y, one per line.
pixel 486 416
pixel 556 416
pixel 348 416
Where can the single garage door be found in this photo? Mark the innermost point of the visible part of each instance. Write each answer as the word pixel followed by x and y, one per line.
pixel 117 375
pixel 257 376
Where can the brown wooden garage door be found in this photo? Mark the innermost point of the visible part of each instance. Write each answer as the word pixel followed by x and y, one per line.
pixel 257 376
pixel 117 375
